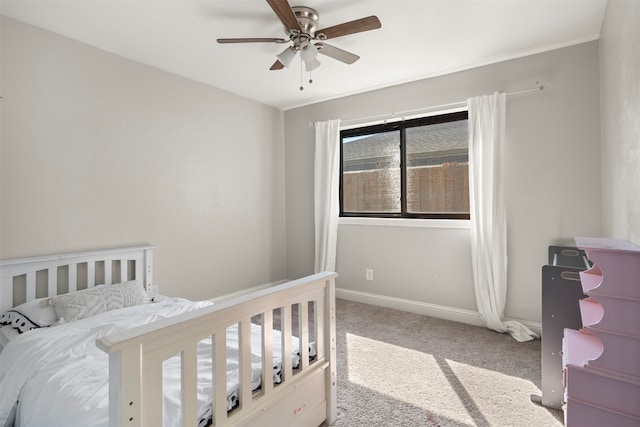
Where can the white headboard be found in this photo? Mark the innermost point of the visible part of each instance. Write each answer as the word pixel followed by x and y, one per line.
pixel 23 278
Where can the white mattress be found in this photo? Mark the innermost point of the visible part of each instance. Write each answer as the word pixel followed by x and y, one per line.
pixel 60 377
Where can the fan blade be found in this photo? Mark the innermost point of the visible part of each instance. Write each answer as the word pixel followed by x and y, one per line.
pixel 337 53
pixel 252 40
pixel 285 14
pixel 277 65
pixel 351 27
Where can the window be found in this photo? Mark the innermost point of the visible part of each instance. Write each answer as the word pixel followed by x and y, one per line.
pixel 411 169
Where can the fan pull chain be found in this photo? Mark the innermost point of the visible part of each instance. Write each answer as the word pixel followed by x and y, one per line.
pixel 301 73
pixel 302 67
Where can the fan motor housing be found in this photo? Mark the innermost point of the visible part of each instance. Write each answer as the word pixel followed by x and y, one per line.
pixel 308 19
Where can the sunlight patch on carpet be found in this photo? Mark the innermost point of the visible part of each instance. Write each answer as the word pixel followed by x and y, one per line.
pixel 374 365
pixel 462 393
pixel 488 391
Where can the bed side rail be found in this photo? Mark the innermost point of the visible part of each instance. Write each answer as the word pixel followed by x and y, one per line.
pixel 136 356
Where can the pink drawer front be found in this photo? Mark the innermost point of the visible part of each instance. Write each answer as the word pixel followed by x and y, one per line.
pixel 601 389
pixel 582 414
pixel 617 266
pixel 621 353
pixel 611 313
pixel 579 347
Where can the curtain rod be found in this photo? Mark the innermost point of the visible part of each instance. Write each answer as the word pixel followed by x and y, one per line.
pixel 399 114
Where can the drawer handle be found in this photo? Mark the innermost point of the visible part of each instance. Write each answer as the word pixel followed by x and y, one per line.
pixel 570 252
pixel 570 275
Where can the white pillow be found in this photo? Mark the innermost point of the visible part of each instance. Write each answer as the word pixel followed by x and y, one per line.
pixel 125 294
pixel 89 302
pixel 80 304
pixel 34 314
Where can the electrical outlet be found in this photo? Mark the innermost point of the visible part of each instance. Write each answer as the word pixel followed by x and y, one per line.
pixel 368 274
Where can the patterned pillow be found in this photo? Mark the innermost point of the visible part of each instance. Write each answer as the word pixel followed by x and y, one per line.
pixel 79 305
pixel 89 302
pixel 125 294
pixel 34 314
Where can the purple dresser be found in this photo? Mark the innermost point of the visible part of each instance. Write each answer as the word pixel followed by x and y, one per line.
pixel 601 361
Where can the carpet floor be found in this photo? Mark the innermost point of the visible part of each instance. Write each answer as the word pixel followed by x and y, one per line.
pixel 402 369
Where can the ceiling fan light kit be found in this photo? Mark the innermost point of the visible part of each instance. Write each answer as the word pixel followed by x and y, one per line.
pixel 301 27
pixel 308 52
pixel 286 56
pixel 312 65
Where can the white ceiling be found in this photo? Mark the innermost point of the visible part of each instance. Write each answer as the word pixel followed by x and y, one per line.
pixel 418 39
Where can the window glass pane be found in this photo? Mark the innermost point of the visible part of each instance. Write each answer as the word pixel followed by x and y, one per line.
pixel 438 168
pixel 371 173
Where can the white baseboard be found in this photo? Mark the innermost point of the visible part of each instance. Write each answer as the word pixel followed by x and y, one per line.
pixel 433 310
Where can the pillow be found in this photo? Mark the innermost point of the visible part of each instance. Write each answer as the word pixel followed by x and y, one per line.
pixel 33 314
pixel 125 294
pixel 80 304
pixel 89 302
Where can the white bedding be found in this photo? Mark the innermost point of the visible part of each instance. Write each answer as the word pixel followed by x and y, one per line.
pixel 7 333
pixel 58 377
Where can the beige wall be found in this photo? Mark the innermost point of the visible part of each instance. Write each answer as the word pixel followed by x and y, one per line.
pixel 552 170
pixel 99 151
pixel 620 98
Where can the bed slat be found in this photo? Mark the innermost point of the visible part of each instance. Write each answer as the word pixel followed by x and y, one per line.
pixel 108 266
pixel 73 277
pixel 320 329
pixel 31 285
pixel 91 274
pixel 139 266
pixel 245 394
pixel 52 281
pixel 287 363
pixel 304 334
pixel 220 378
pixel 6 294
pixel 189 366
pixel 267 352
pixel 124 270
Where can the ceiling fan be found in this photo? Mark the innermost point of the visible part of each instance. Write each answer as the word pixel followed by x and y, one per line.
pixel 301 27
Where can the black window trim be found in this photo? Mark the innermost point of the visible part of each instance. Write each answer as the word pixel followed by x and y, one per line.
pixel 400 126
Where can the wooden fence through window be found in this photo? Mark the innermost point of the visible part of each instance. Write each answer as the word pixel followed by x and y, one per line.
pixel 430 189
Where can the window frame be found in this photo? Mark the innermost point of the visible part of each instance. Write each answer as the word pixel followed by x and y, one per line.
pixel 400 126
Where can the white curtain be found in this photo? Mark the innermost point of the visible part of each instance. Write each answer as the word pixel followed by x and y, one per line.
pixel 488 213
pixel 326 187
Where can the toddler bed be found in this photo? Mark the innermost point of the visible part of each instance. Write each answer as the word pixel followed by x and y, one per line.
pixel 112 358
